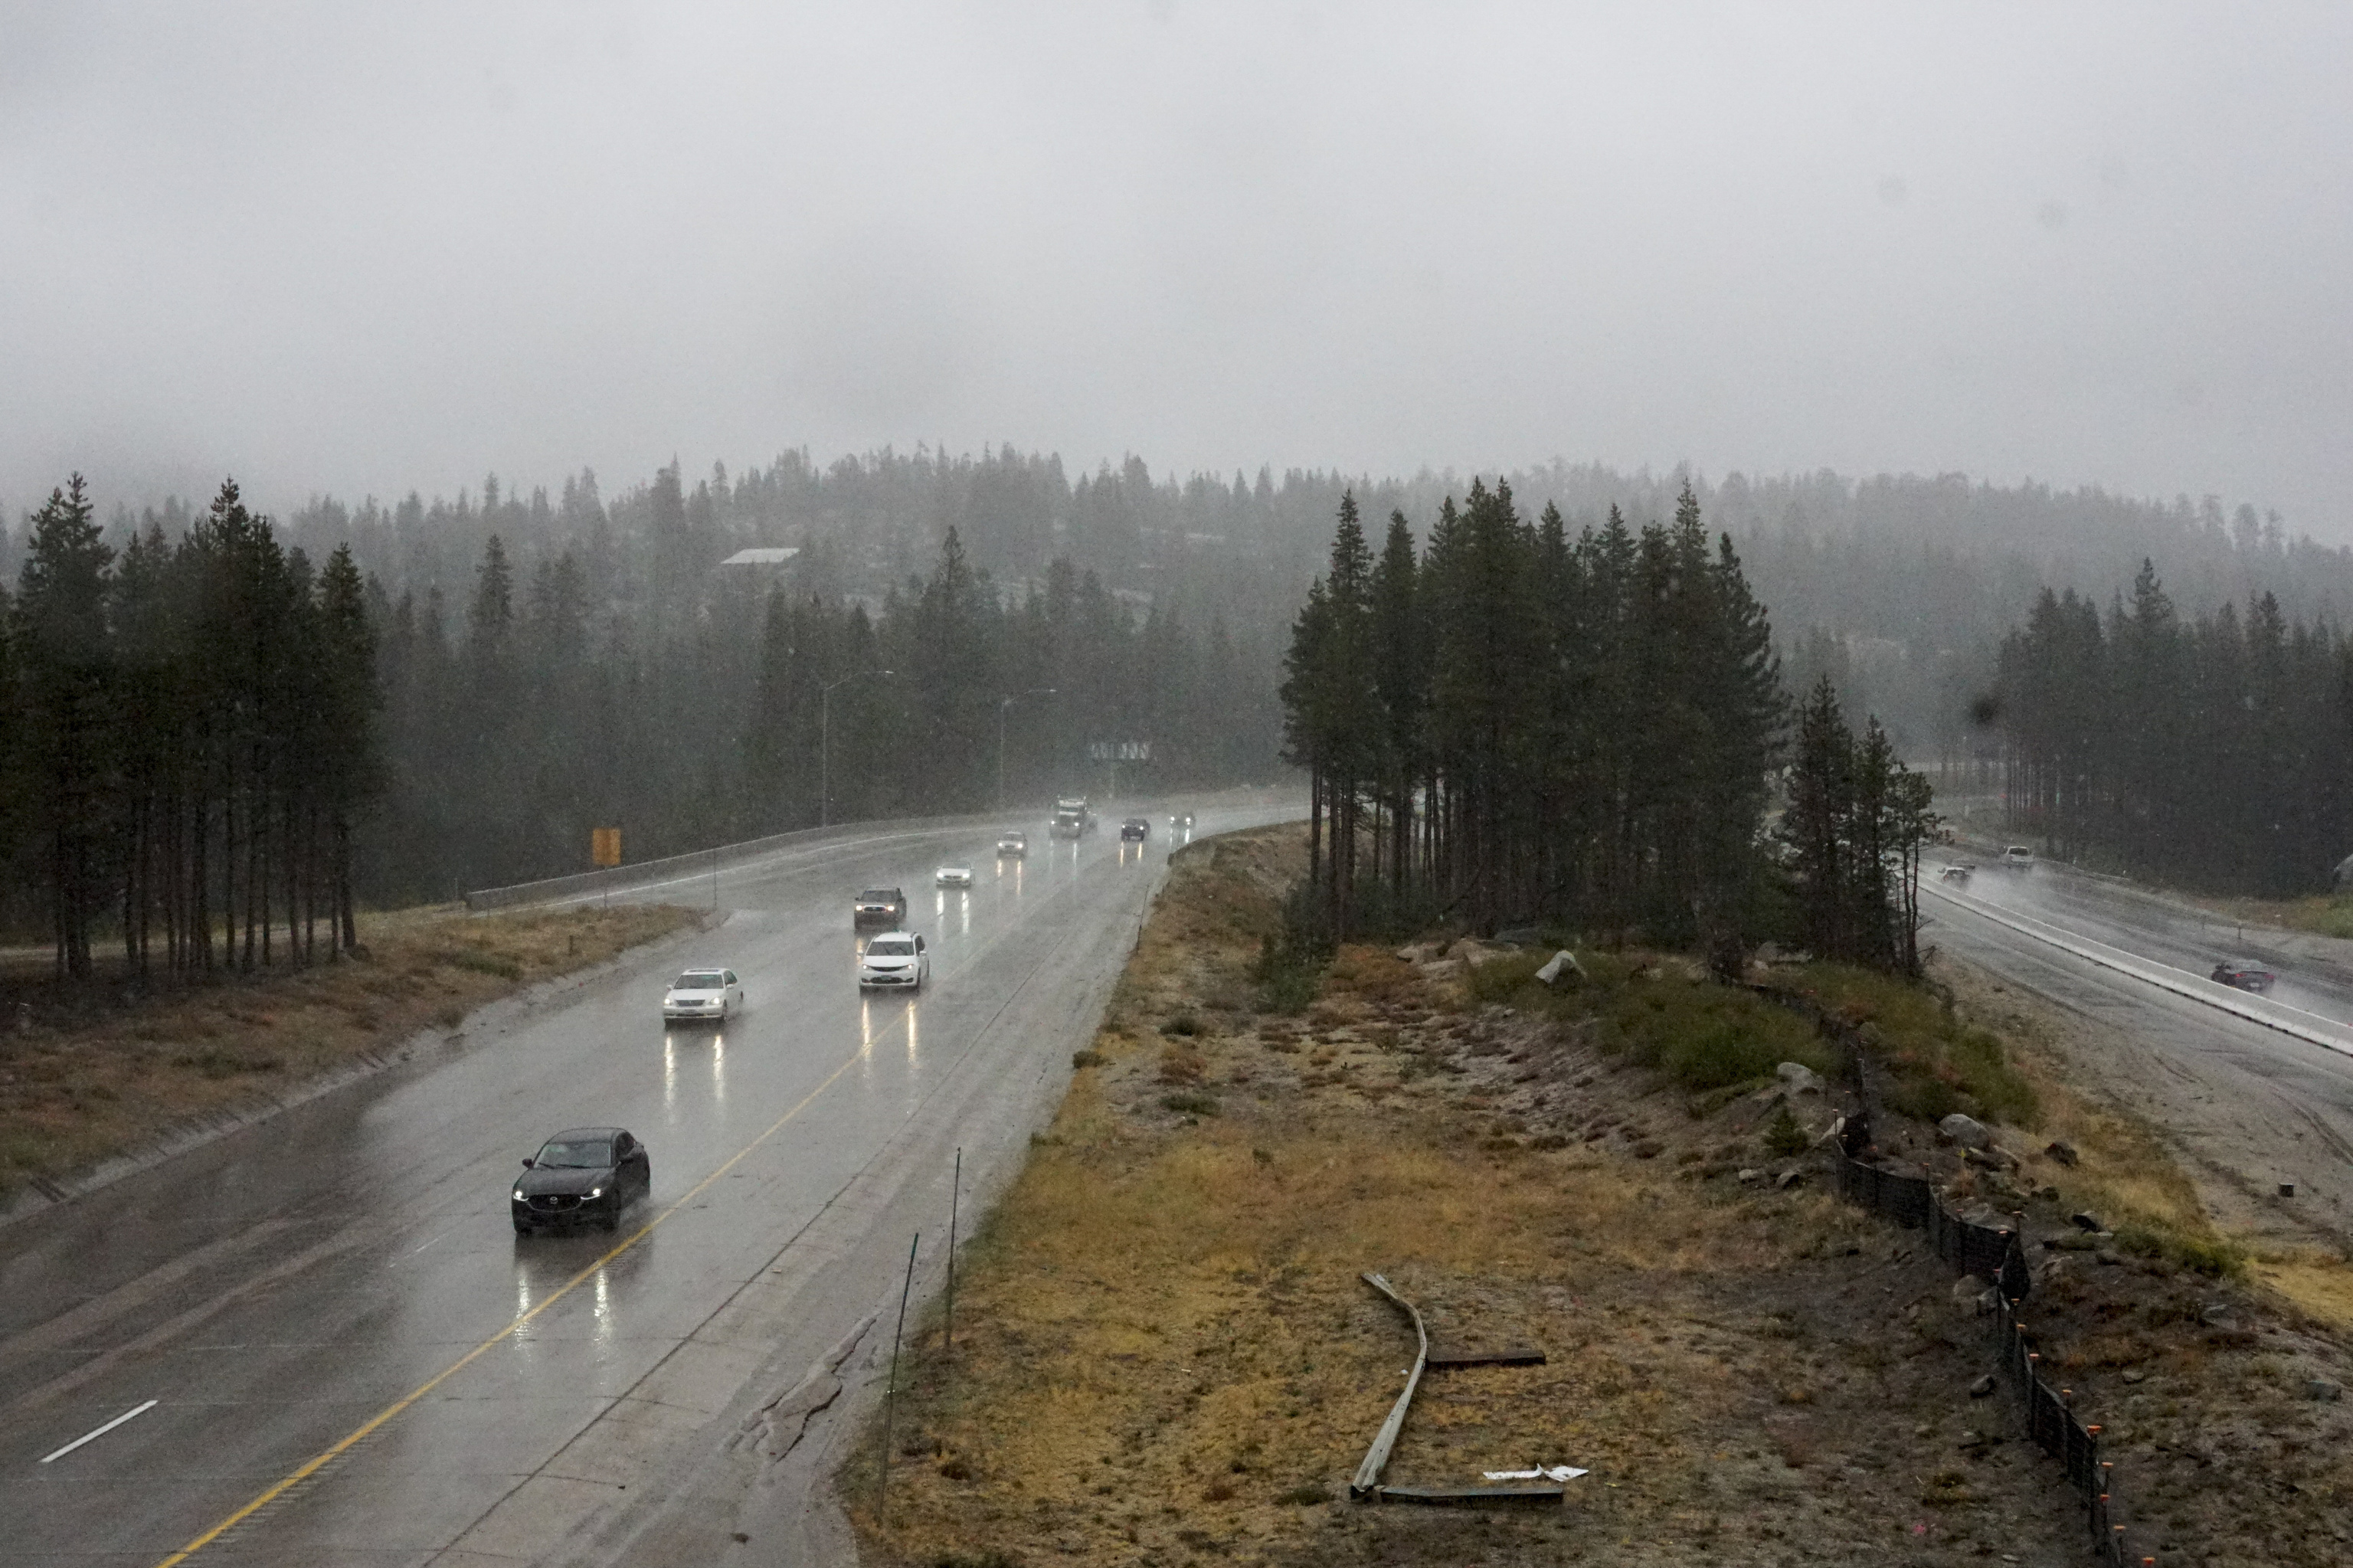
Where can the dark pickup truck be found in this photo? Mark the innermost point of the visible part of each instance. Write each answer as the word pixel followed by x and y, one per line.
pixel 885 907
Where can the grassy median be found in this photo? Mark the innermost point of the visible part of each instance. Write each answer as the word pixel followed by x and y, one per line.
pixel 89 1073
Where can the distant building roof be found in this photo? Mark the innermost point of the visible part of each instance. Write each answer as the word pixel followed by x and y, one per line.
pixel 775 556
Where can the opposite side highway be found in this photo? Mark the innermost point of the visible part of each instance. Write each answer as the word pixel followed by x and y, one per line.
pixel 2253 1091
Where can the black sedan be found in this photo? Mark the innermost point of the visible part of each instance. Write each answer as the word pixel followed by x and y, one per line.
pixel 2240 975
pixel 1136 830
pixel 585 1174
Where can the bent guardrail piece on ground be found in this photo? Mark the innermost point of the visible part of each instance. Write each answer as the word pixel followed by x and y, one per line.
pixel 1367 1487
pixel 1377 1457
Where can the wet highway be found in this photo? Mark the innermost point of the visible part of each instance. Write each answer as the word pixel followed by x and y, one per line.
pixel 325 1344
pixel 2248 1106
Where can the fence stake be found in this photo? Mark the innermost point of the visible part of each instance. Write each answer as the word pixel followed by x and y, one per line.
pixel 955 1190
pixel 890 1392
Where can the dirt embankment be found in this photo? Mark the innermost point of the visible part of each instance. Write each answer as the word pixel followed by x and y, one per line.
pixel 90 1073
pixel 1164 1354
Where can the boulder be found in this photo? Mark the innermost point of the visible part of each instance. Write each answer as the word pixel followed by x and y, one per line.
pixel 2065 1153
pixel 1798 1078
pixel 1964 1131
pixel 2086 1221
pixel 1562 969
pixel 2322 1388
pixel 1983 1387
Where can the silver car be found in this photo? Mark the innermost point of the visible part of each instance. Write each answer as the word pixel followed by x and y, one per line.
pixel 703 996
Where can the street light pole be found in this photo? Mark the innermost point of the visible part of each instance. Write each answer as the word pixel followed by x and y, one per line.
pixel 824 743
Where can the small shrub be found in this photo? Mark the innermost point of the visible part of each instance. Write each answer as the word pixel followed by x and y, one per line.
pixel 1923 1096
pixel 1190 1104
pixel 1503 979
pixel 1089 1058
pixel 2209 1255
pixel 1182 1064
pixel 1718 1055
pixel 1304 1497
pixel 1783 1136
pixel 1184 1024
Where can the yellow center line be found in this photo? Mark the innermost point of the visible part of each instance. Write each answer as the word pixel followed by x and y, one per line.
pixel 318 1462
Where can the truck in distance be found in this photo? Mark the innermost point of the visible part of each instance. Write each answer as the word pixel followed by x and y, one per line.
pixel 1072 818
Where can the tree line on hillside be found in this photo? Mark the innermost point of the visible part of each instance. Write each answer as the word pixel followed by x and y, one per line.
pixel 210 747
pixel 1898 588
pixel 1516 726
pixel 546 714
pixel 187 740
pixel 2213 750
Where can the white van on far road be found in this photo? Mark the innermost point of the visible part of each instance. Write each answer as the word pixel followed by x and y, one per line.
pixel 2017 857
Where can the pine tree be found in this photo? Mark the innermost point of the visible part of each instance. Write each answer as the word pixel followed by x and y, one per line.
pixel 71 740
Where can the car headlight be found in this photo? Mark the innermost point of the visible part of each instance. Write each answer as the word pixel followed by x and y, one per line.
pixel 595 1192
pixel 518 1197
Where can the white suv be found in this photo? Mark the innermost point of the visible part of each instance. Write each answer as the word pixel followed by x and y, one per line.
pixel 894 961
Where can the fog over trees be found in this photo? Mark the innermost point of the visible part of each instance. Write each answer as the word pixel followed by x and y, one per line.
pixel 549 661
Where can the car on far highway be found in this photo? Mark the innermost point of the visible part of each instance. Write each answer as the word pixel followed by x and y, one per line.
pixel 893 961
pixel 1957 872
pixel 952 876
pixel 2243 975
pixel 2017 857
pixel 1181 822
pixel 1136 830
pixel 1012 846
pixel 702 994
pixel 879 906
pixel 583 1175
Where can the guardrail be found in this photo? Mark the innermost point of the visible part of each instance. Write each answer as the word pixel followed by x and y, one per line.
pixel 703 863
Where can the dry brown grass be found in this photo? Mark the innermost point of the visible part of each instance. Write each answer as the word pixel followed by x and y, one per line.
pixel 107 1071
pixel 1166 1355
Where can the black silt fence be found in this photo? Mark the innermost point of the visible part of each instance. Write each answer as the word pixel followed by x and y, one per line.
pixel 1993 1253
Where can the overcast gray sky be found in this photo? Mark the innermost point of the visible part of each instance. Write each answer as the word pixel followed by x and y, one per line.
pixel 363 249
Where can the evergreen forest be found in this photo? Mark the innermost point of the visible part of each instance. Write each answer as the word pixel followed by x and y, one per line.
pixel 2212 750
pixel 188 737
pixel 204 711
pixel 1513 726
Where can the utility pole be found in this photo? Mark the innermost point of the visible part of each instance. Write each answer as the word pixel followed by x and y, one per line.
pixel 825 742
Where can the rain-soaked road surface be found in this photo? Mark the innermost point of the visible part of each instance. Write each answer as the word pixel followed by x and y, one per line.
pixel 2250 1107
pixel 341 1282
